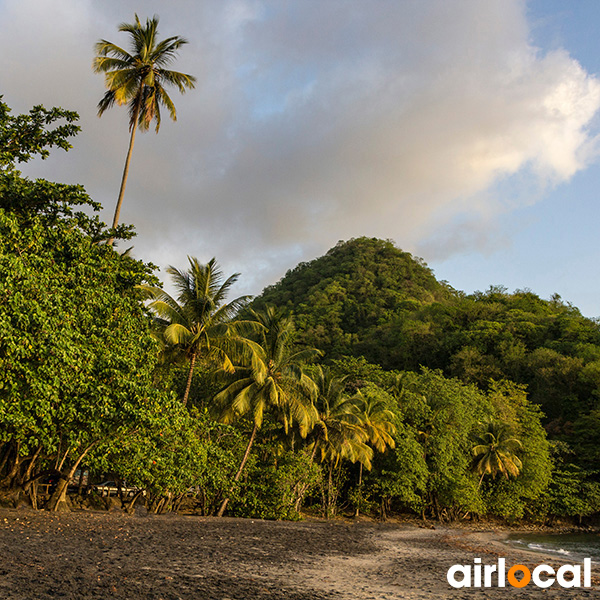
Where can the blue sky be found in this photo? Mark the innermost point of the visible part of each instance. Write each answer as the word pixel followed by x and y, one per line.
pixel 464 130
pixel 552 246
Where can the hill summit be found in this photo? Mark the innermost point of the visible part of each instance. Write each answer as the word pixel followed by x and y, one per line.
pixel 366 298
pixel 342 300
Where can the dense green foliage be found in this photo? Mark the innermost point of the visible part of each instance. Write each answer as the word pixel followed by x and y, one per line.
pixel 408 321
pixel 24 136
pixel 77 355
pixel 345 299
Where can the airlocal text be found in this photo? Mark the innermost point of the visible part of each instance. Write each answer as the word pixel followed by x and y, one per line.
pixel 499 575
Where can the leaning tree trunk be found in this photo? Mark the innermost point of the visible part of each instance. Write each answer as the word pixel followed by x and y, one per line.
pixel 58 500
pixel 13 469
pixel 188 384
pixel 125 170
pixel 130 506
pixel 239 473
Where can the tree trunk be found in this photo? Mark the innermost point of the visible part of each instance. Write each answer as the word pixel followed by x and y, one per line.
pixel 58 500
pixel 177 502
pixel 29 471
pixel 239 473
pixel 188 384
pixel 80 483
pixel 125 171
pixel 12 473
pixel 328 512
pixel 33 494
pixel 383 509
pixel 8 448
pixel 360 471
pixel 313 452
pixel 29 483
pixel 130 506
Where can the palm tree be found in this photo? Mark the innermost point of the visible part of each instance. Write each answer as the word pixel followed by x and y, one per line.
pixel 138 79
pixel 377 421
pixel 339 433
pixel 199 322
pixel 271 380
pixel 495 450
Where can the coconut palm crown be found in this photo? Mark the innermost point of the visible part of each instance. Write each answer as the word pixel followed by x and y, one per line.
pixel 199 322
pixel 338 433
pixel 270 380
pixel 495 452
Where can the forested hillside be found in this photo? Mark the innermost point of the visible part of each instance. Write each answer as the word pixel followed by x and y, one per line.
pixel 367 299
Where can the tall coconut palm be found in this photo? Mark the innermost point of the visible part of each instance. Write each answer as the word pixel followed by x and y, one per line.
pixel 271 380
pixel 138 79
pixel 199 322
pixel 338 433
pixel 377 421
pixel 495 452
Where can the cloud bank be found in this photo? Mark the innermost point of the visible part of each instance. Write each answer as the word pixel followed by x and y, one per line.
pixel 314 121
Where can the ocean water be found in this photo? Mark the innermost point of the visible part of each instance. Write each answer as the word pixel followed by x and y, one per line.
pixel 575 546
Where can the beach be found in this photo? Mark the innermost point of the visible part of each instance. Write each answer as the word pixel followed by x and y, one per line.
pixel 96 555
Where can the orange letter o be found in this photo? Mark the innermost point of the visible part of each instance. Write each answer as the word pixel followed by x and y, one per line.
pixel 514 581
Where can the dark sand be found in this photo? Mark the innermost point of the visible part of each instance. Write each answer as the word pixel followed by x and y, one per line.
pixel 93 555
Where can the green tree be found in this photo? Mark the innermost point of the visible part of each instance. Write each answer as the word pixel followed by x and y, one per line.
pixel 377 421
pixel 444 413
pixel 24 136
pixel 199 323
pixel 495 451
pixel 138 79
pixel 338 433
pixel 271 381
pixel 76 352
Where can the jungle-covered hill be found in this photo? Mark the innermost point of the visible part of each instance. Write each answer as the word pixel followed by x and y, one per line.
pixel 367 298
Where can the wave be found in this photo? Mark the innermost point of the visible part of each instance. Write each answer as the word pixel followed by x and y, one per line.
pixel 547 548
pixel 577 546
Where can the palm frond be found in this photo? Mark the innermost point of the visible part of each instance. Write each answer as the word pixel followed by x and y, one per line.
pixel 105 48
pixel 177 334
pixel 164 99
pixel 108 100
pixel 182 81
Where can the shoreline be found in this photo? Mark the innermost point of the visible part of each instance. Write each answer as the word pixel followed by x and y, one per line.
pixel 93 555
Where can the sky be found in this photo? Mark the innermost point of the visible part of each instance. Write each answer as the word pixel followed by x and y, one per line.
pixel 467 131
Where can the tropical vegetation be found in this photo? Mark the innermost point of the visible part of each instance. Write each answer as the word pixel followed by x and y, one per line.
pixel 357 384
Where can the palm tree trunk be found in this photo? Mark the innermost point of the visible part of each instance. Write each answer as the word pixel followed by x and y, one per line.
pixel 126 169
pixel 239 473
pixel 360 471
pixel 329 511
pixel 188 385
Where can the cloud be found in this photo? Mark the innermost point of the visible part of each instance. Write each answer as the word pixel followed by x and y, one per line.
pixel 316 121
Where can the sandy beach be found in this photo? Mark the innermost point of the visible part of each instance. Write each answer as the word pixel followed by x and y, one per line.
pixel 95 555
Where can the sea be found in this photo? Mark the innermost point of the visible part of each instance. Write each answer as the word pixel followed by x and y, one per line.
pixel 570 546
